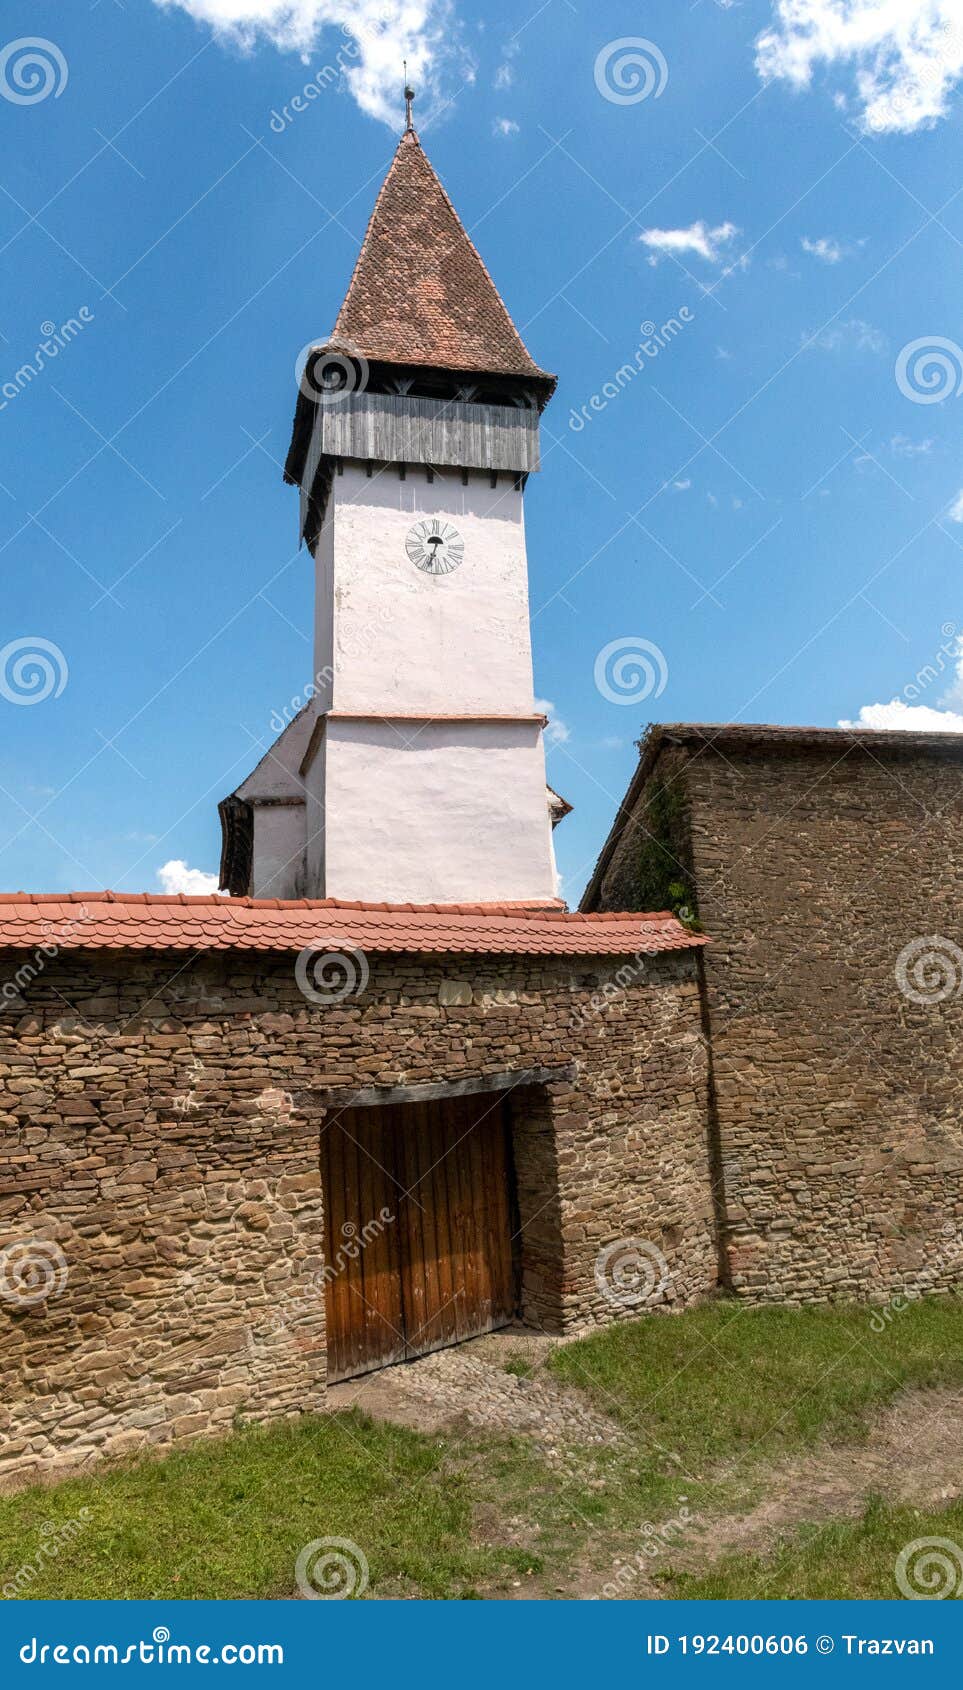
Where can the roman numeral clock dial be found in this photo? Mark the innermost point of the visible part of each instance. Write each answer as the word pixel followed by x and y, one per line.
pixel 435 546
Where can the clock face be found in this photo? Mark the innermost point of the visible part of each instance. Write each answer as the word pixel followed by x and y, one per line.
pixel 435 546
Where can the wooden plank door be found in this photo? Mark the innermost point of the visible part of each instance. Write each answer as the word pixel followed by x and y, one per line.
pixel 459 1277
pixel 443 1269
pixel 365 1317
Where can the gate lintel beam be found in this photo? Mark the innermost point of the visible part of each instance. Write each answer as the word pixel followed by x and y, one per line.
pixel 371 1097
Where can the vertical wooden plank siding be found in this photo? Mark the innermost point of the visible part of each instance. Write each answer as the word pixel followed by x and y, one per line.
pixel 441 1270
pixel 404 430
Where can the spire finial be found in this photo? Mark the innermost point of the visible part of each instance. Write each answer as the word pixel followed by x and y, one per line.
pixel 409 101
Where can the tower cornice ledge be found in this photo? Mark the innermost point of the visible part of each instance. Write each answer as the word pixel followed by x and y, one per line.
pixel 529 720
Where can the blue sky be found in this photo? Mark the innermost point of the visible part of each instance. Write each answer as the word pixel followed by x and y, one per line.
pixel 766 508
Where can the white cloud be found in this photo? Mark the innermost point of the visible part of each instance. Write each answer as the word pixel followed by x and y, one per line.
pixel 911 718
pixel 682 486
pixel 955 512
pixel 854 333
pixel 902 447
pixel 175 876
pixel 824 248
pixel 504 77
pixel 923 718
pixel 378 34
pixel 556 733
pixel 504 126
pixel 905 56
pixel 698 240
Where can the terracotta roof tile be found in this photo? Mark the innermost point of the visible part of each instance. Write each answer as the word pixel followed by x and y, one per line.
pixel 420 293
pixel 142 921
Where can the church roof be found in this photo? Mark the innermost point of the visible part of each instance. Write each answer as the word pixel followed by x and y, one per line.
pixel 420 293
pixel 146 921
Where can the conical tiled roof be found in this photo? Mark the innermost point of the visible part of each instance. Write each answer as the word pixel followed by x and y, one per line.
pixel 420 293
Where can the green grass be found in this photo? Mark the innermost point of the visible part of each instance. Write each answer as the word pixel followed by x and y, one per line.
pixel 520 1367
pixel 461 1516
pixel 724 1381
pixel 228 1518
pixel 844 1559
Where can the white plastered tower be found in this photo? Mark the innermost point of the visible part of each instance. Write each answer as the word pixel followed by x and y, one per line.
pixel 416 772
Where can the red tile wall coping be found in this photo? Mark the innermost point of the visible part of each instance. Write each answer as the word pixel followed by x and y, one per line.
pixel 147 921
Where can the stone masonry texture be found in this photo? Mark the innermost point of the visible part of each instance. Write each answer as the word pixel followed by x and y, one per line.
pixel 837 1120
pixel 151 1148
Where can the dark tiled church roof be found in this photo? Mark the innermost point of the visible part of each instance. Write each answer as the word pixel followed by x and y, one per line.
pixel 420 293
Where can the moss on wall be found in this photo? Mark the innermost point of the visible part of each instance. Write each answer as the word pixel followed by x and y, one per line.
pixel 663 877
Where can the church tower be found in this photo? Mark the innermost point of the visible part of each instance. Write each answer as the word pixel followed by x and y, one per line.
pixel 415 772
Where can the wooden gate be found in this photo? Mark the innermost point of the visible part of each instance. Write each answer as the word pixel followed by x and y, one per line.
pixel 441 1268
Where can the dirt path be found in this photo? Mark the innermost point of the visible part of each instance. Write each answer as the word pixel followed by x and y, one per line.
pixel 913 1453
